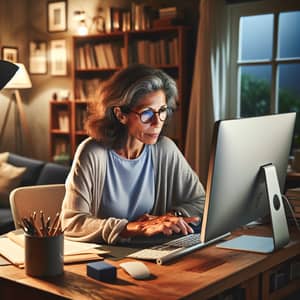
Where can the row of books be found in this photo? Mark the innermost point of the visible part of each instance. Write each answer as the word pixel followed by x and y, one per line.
pixel 106 55
pixel 142 17
pixel 138 17
pixel 283 274
pixel 160 52
pixel 293 196
pixel 87 89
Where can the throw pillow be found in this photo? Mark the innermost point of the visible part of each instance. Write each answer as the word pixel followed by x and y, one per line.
pixel 3 157
pixel 10 178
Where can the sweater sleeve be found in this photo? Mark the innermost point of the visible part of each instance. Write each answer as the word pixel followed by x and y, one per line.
pixel 178 186
pixel 84 185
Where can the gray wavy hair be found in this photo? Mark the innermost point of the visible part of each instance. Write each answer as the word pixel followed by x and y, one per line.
pixel 124 89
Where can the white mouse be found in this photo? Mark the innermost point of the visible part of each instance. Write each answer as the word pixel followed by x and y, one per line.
pixel 136 269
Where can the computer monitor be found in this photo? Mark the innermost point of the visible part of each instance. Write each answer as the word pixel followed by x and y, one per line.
pixel 246 178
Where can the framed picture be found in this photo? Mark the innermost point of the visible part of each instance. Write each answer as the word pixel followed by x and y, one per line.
pixel 57 16
pixel 10 54
pixel 38 57
pixel 58 54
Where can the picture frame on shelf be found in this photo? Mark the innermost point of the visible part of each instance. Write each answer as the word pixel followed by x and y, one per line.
pixel 38 57
pixel 10 53
pixel 57 16
pixel 58 57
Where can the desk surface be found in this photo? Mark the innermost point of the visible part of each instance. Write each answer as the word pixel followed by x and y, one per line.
pixel 199 275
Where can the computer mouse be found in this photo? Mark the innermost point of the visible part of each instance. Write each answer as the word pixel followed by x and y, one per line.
pixel 136 269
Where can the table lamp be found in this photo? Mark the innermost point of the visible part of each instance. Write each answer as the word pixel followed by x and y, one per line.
pixel 19 81
pixel 7 71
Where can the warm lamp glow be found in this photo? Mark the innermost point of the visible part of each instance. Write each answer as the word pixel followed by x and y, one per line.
pixel 20 80
pixel 80 17
pixel 82 28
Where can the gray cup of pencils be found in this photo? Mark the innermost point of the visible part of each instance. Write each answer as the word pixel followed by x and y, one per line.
pixel 44 249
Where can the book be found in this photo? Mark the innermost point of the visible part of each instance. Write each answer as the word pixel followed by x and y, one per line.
pixel 293 193
pixel 116 50
pixel 63 120
pixel 293 196
pixel 12 248
pixel 109 55
pixel 82 59
pixel 101 56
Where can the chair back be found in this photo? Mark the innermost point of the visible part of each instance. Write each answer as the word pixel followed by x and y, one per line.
pixel 25 200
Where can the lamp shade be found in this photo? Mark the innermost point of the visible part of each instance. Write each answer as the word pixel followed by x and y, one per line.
pixel 21 79
pixel 7 71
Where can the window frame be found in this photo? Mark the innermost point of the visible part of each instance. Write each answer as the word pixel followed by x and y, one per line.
pixel 250 9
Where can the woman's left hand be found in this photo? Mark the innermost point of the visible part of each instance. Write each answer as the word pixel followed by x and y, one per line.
pixel 166 224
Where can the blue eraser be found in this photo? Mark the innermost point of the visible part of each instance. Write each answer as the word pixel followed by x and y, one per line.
pixel 101 270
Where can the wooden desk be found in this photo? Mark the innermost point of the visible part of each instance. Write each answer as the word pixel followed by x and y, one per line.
pixel 199 275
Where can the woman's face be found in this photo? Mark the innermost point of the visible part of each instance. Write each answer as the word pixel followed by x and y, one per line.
pixel 147 133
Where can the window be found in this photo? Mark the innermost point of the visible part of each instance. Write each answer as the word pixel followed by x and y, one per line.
pixel 268 63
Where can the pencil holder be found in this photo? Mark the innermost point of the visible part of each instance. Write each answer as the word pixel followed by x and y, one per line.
pixel 44 256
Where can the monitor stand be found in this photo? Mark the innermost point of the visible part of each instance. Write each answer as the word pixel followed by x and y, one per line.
pixel 280 236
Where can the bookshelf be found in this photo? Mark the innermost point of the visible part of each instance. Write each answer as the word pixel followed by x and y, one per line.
pixel 60 131
pixel 80 114
pixel 97 57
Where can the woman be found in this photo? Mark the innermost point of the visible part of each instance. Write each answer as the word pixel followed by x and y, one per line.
pixel 126 180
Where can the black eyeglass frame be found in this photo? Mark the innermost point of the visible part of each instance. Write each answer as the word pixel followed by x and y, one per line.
pixel 166 109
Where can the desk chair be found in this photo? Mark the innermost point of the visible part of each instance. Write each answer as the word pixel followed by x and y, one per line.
pixel 25 200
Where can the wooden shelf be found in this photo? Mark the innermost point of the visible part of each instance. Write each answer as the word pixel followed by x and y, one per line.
pixel 60 129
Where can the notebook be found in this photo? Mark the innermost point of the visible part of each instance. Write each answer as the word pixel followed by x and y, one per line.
pixel 12 248
pixel 163 249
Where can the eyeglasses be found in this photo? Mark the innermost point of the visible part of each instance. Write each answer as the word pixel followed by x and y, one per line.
pixel 147 115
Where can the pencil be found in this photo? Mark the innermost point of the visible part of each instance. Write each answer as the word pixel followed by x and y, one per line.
pixel 54 224
pixel 57 229
pixel 48 224
pixel 44 229
pixel 36 227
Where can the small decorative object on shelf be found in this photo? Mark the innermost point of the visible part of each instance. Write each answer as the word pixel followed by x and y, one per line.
pixel 99 21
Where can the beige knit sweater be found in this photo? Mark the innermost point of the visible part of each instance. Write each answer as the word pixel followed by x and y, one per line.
pixel 176 187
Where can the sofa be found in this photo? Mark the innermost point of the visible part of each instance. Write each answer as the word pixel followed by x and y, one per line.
pixel 17 170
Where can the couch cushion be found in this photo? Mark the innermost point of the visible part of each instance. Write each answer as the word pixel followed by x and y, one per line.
pixel 3 157
pixel 6 220
pixel 33 168
pixel 53 173
pixel 10 178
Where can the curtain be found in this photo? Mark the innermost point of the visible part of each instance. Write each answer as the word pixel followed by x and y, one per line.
pixel 210 83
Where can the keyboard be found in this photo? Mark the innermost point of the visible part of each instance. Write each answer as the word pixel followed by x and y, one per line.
pixel 158 251
pixel 186 240
pixel 175 248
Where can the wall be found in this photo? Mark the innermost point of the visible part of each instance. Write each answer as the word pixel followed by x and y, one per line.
pixel 22 21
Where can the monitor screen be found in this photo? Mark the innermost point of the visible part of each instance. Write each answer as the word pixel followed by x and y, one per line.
pixel 236 192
